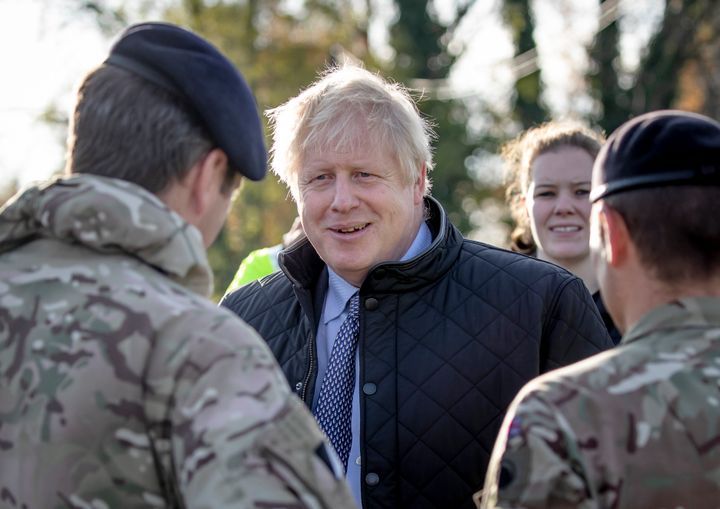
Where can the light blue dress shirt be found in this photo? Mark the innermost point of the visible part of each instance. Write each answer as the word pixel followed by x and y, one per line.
pixel 333 315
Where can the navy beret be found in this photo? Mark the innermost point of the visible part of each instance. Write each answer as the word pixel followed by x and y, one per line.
pixel 195 72
pixel 662 148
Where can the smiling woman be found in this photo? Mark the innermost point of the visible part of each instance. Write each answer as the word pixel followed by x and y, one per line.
pixel 556 201
pixel 548 172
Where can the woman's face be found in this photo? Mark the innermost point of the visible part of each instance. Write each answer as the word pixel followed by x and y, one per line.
pixel 557 202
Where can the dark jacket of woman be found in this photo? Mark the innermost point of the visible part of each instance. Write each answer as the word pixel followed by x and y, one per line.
pixel 607 319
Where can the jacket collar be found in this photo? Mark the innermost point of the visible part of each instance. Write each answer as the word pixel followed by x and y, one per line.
pixel 109 216
pixel 685 312
pixel 302 265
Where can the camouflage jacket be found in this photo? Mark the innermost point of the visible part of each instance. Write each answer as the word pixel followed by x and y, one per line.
pixel 633 427
pixel 121 385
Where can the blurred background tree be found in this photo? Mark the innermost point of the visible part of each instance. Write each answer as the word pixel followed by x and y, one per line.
pixel 528 107
pixel 679 68
pixel 281 45
pixel 7 190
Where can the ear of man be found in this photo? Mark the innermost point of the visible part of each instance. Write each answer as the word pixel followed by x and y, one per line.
pixel 420 185
pixel 617 242
pixel 205 180
pixel 193 195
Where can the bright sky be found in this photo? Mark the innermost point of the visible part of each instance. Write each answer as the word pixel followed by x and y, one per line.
pixel 45 49
pixel 47 46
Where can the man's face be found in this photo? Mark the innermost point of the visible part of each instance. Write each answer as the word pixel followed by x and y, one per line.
pixel 357 208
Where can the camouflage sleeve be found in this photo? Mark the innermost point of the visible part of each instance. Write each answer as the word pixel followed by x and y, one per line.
pixel 536 461
pixel 238 437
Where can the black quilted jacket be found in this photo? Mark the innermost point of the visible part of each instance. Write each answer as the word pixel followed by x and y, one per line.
pixel 446 341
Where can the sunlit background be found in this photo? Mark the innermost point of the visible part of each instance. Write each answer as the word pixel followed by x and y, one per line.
pixel 483 70
pixel 47 45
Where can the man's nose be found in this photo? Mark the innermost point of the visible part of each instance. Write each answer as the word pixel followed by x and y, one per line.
pixel 345 197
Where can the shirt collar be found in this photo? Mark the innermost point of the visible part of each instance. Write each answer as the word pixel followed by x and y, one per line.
pixel 423 239
pixel 340 291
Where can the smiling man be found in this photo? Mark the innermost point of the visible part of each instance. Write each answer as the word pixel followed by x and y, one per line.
pixel 405 339
pixel 357 208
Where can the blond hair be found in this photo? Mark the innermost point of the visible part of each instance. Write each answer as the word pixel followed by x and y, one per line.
pixel 329 112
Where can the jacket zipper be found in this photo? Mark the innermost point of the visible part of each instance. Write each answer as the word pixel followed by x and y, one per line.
pixel 311 367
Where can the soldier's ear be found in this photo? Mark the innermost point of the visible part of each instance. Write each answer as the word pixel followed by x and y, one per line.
pixel 206 179
pixel 616 237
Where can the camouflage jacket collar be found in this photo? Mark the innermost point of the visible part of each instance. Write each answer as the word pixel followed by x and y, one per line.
pixel 109 216
pixel 687 312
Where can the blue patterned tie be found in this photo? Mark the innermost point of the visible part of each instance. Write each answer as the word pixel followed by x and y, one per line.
pixel 335 400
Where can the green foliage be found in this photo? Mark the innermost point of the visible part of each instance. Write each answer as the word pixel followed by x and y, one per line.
pixel 416 38
pixel 281 51
pixel 682 50
pixel 528 109
pixel 603 80
pixel 451 182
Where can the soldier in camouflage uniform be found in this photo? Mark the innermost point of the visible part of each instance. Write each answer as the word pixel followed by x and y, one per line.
pixel 637 426
pixel 121 385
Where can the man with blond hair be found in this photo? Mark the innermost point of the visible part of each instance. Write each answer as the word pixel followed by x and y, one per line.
pixel 405 339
